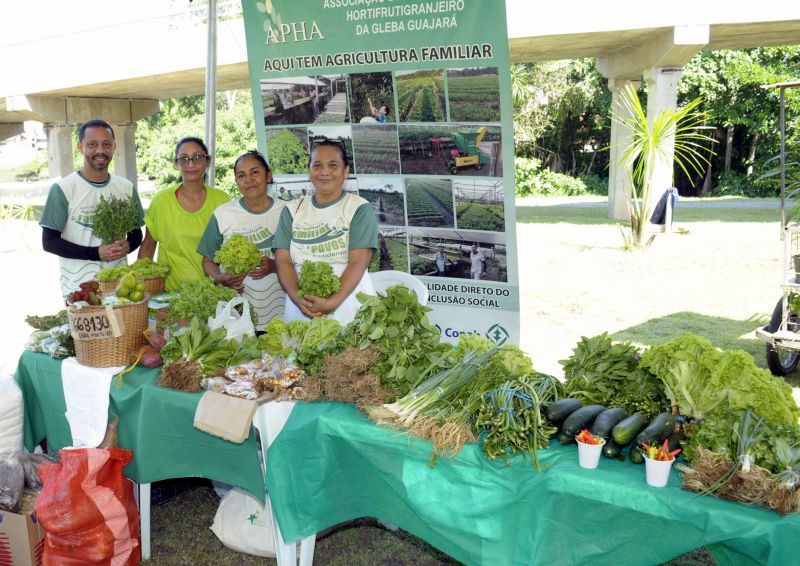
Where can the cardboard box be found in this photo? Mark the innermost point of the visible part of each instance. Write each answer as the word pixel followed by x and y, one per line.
pixel 21 535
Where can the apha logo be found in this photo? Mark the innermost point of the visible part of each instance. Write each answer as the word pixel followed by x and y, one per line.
pixel 497 334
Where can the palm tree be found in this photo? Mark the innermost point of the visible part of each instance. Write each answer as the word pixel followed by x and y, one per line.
pixel 677 130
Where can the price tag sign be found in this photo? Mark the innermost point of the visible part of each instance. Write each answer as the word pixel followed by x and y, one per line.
pixel 93 324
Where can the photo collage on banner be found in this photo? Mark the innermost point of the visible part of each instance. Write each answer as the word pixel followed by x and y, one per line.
pixel 418 94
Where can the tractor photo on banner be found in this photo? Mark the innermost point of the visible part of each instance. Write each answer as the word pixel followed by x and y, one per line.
pixel 417 93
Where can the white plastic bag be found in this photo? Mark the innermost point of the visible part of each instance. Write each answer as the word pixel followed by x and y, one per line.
pixel 244 525
pixel 11 417
pixel 236 325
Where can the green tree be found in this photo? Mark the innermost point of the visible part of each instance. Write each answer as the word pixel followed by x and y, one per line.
pixel 649 146
pixel 157 135
pixel 729 82
pixel 561 108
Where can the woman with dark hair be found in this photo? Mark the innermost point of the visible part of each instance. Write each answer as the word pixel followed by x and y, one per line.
pixel 333 226
pixel 177 216
pixel 255 216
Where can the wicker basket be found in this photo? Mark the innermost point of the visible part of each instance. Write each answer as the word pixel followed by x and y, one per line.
pixel 130 320
pixel 152 285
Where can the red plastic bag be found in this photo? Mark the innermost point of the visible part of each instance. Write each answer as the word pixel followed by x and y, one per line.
pixel 87 509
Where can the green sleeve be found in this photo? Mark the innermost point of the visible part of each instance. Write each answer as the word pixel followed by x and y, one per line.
pixel 211 240
pixel 283 235
pixel 56 209
pixel 150 218
pixel 364 228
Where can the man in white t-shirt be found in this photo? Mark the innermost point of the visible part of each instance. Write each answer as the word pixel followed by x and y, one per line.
pixel 477 263
pixel 68 214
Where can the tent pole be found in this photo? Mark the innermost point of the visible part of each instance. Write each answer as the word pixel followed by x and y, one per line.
pixel 211 90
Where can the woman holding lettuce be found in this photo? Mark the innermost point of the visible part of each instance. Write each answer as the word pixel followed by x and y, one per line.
pixel 255 216
pixel 331 226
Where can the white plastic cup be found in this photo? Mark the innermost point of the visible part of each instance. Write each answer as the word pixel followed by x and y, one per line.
pixel 589 455
pixel 657 471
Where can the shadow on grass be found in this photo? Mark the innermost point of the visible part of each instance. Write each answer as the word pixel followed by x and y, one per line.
pixel 571 214
pixel 724 333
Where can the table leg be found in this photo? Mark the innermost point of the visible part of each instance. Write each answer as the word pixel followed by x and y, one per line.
pixel 143 500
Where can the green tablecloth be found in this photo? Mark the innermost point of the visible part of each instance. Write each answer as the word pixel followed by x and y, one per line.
pixel 155 422
pixel 331 464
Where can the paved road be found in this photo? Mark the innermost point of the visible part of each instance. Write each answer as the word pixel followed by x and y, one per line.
pixel 602 202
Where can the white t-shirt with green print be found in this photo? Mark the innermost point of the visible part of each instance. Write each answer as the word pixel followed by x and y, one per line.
pixel 265 295
pixel 313 232
pixel 70 208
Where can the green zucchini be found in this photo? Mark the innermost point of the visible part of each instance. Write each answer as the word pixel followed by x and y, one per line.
pixel 559 410
pixel 566 439
pixel 636 456
pixel 582 418
pixel 607 420
pixel 627 429
pixel 611 449
pixel 658 430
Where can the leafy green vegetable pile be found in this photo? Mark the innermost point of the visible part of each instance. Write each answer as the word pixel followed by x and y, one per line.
pixel 307 341
pixel 209 348
pixel 317 279
pixel 114 218
pixel 717 386
pixel 199 299
pixel 606 373
pixel 237 255
pixel 399 327
pixel 144 268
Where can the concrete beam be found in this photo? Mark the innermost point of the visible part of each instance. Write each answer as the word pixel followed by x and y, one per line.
pixel 75 110
pixel 672 47
pixel 10 129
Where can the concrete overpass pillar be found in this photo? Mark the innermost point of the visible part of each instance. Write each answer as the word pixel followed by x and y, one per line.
pixel 662 94
pixel 125 156
pixel 59 150
pixel 619 182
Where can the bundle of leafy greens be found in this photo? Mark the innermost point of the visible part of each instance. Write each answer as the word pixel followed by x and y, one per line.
pixel 114 218
pixel 318 341
pixel 716 386
pixel 143 267
pixel 317 279
pixel 198 299
pixel 399 327
pixel 208 347
pixel 237 255
pixel 603 372
pixel 282 339
pixel 509 362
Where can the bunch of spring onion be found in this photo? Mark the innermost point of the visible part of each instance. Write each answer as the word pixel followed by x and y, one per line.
pixel 750 433
pixel 430 410
pixel 512 418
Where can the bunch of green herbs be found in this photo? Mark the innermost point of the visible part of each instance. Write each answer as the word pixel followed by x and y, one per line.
pixel 114 218
pixel 198 299
pixel 601 371
pixel 511 418
pixel 399 327
pixel 143 267
pixel 209 348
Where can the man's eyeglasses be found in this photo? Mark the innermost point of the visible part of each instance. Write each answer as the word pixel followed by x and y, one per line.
pixel 197 158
